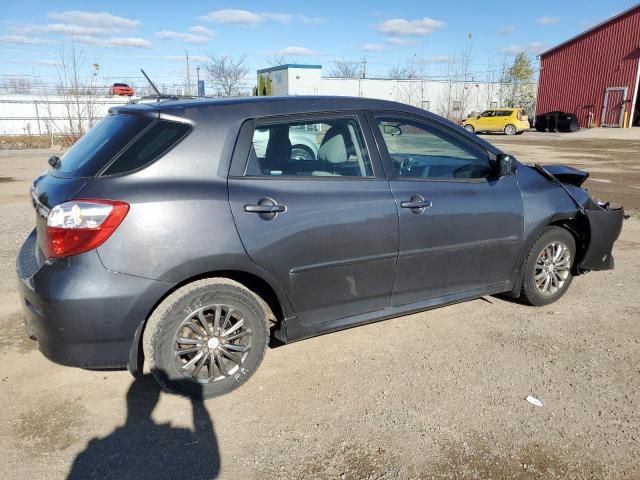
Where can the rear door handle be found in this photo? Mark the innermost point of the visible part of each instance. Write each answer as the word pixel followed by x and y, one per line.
pixel 417 204
pixel 267 208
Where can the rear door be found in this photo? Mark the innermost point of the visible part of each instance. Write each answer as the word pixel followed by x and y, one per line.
pixel 324 224
pixel 460 225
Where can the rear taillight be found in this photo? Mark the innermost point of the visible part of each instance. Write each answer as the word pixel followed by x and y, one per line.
pixel 81 225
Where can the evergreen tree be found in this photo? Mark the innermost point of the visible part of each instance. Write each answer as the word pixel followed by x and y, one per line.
pixel 520 77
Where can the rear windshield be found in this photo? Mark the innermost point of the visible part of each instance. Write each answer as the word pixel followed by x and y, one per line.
pixel 108 139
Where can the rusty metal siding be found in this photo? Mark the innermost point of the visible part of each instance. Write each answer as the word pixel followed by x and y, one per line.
pixel 573 78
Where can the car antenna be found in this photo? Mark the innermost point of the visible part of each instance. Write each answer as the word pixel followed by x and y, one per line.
pixel 153 86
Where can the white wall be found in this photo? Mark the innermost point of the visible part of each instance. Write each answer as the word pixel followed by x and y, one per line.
pixel 428 94
pixel 452 99
pixel 35 114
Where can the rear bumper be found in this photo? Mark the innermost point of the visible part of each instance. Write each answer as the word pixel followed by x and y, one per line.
pixel 80 313
pixel 605 228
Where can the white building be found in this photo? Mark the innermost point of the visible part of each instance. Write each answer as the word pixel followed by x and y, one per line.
pixel 294 79
pixel 452 99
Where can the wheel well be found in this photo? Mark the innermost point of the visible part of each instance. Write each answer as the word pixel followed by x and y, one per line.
pixel 254 283
pixel 579 228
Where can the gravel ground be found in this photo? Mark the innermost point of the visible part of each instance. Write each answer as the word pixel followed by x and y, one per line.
pixel 439 394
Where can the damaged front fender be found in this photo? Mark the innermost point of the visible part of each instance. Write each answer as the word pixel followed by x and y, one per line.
pixel 605 226
pixel 604 223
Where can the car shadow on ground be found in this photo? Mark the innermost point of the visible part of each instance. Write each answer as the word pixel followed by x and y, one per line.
pixel 142 448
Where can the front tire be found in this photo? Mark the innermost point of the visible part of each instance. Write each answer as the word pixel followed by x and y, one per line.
pixel 547 268
pixel 206 338
pixel 469 128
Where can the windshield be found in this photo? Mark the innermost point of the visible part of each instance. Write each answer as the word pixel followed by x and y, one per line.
pixel 100 144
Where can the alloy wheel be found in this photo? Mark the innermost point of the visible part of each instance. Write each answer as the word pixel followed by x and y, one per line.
pixel 553 267
pixel 212 343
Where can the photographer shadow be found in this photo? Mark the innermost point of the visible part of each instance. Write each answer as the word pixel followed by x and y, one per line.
pixel 144 449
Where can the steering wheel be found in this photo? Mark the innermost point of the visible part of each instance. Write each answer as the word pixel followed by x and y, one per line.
pixel 471 170
pixel 407 164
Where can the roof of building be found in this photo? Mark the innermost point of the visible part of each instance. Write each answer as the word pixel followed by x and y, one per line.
pixel 288 65
pixel 595 27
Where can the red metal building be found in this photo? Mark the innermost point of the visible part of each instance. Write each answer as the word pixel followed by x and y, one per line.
pixel 596 74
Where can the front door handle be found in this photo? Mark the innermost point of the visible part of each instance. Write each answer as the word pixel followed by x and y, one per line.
pixel 264 208
pixel 417 204
pixel 267 208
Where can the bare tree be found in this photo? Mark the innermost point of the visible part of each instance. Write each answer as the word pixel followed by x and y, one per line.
pixel 227 73
pixel 346 69
pixel 411 85
pixel 407 71
pixel 76 83
pixel 17 85
pixel 71 104
pixel 458 87
pixel 277 60
pixel 493 78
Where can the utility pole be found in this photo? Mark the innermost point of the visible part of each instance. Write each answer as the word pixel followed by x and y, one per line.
pixel 198 75
pixel 186 52
pixel 364 67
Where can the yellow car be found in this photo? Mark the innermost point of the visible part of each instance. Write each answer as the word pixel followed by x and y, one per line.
pixel 511 121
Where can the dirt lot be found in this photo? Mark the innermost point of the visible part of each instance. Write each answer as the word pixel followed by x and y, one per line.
pixel 439 394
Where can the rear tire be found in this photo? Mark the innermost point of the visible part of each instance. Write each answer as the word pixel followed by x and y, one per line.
pixel 187 359
pixel 547 268
pixel 510 130
pixel 302 152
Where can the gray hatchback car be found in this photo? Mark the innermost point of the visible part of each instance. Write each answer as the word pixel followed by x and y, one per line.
pixel 164 235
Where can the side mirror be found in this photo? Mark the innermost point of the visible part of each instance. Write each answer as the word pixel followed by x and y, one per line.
pixel 504 164
pixel 54 161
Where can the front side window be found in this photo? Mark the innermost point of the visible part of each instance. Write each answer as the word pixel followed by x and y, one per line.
pixel 418 150
pixel 315 148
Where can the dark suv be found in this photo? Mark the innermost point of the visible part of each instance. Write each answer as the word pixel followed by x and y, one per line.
pixel 166 234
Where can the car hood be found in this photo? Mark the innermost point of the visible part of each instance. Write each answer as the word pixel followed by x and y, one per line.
pixel 567 175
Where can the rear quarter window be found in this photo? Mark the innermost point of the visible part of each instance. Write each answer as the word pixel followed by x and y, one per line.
pixel 152 144
pixel 99 145
pixel 119 144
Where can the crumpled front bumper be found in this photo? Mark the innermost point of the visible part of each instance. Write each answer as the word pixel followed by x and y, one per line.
pixel 606 225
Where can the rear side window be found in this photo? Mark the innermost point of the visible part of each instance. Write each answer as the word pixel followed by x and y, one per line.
pixel 100 144
pixel 315 148
pixel 153 143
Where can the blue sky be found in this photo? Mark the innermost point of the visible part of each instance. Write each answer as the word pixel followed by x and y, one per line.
pixel 123 36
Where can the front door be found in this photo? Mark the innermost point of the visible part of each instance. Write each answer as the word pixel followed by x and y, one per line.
pixel 460 226
pixel 324 224
pixel 486 121
pixel 613 106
